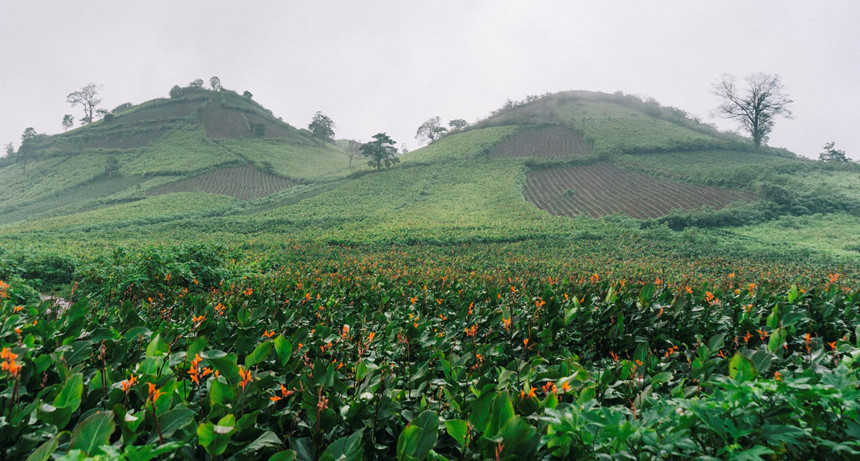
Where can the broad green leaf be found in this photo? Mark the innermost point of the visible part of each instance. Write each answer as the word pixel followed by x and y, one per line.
pixel 502 411
pixel 261 353
pixel 741 368
pixel 792 294
pixel 221 392
pixel 157 347
pixel 283 349
pixel 418 437
pixel 66 402
pixel 265 440
pixel 174 420
pixel 777 338
pixel 286 455
pixel 44 452
pixel 223 362
pixel 344 448
pixel 660 378
pixel 93 432
pixel 773 318
pixel 458 430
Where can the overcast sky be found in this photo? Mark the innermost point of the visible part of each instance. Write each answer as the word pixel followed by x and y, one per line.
pixel 389 65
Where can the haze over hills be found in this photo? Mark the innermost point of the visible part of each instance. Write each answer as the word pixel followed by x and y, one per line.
pixel 207 160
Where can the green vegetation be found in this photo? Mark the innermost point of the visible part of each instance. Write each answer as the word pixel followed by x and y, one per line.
pixel 183 151
pixel 532 351
pixel 429 310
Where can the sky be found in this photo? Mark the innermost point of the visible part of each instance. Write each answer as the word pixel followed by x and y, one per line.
pixel 387 66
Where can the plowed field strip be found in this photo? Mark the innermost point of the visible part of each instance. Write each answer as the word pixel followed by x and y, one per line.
pixel 602 189
pixel 243 182
pixel 549 142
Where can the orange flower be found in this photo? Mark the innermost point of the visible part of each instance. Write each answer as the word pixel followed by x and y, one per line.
pixel 506 323
pixel 834 277
pixel 127 383
pixel 370 337
pixel 246 377
pixel 777 376
pixel 526 342
pixel 268 334
pixel 472 330
pixel 248 291
pixel 565 386
pixel 198 318
pixel 832 345
pixel 153 392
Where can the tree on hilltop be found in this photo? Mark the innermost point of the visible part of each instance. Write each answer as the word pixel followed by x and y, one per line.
pixel 831 154
pixel 68 122
pixel 196 83
pixel 322 128
pixel 755 106
pixel 381 151
pixel 457 124
pixel 88 98
pixel 215 83
pixel 431 130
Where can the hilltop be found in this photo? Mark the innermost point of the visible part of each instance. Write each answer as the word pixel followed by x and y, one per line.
pixel 202 162
pixel 196 141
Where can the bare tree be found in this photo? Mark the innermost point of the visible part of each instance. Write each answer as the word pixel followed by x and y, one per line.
pixel 88 98
pixel 755 106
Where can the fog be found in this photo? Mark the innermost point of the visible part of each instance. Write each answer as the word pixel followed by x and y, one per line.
pixel 389 65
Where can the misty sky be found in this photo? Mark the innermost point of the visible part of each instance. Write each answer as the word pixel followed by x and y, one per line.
pixel 389 65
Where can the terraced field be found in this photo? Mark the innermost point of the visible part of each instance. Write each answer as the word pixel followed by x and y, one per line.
pixel 161 111
pixel 243 182
pixel 220 123
pixel 602 189
pixel 547 142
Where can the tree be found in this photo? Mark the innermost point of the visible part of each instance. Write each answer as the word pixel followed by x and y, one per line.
pixel 430 130
pixel 10 149
pixel 458 124
pixel 756 106
pixel 26 150
pixel 322 128
pixel 248 94
pixel 352 149
pixel 197 83
pixel 68 122
pixel 831 154
pixel 381 151
pixel 215 83
pixel 88 98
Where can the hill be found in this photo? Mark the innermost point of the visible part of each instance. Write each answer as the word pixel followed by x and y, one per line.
pixel 161 146
pixel 521 173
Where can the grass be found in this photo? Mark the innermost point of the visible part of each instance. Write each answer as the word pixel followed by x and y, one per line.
pixel 183 151
pixel 146 211
pixel 837 233
pixel 291 160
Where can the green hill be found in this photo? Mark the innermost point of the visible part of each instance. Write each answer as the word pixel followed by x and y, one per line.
pixel 160 146
pixel 522 173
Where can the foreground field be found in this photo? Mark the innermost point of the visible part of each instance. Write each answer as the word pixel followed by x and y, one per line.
pixel 530 350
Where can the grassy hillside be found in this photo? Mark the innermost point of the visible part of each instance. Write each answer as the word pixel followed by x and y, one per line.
pixel 491 181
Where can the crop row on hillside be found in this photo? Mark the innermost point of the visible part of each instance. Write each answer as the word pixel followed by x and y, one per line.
pixel 161 110
pixel 547 142
pixel 242 182
pixel 224 123
pixel 601 189
pixel 294 160
pixel 337 353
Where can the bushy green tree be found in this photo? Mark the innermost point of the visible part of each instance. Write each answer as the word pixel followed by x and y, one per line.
pixel 381 151
pixel 215 83
pixel 431 130
pixel 68 121
pixel 831 154
pixel 322 128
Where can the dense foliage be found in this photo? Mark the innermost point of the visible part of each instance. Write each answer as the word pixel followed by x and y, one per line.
pixel 465 352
